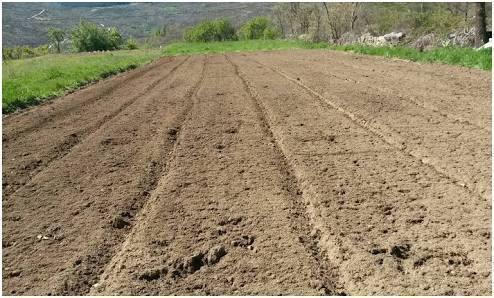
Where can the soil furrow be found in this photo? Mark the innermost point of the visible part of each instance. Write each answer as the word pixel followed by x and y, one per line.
pixel 429 84
pixel 51 110
pixel 27 161
pixel 326 275
pixel 274 173
pixel 453 146
pixel 389 135
pixel 158 170
pixel 396 86
pixel 221 220
pixel 166 160
pixel 89 198
pixel 381 214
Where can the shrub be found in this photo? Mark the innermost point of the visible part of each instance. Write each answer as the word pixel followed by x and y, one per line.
pixel 91 37
pixel 216 30
pixel 131 44
pixel 56 36
pixel 271 33
pixel 258 28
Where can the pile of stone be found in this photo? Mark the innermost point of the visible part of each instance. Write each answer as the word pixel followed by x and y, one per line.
pixel 392 38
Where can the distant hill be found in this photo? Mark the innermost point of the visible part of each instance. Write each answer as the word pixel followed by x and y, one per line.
pixel 28 23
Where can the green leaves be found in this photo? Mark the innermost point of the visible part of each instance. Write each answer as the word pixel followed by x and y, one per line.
pixel 91 37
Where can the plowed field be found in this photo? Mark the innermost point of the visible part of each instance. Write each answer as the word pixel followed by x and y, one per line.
pixel 287 172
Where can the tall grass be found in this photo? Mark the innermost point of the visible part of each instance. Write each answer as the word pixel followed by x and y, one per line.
pixel 29 81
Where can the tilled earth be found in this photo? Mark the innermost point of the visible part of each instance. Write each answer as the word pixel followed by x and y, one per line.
pixel 290 172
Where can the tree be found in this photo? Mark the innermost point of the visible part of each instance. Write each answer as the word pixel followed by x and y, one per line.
pixel 480 24
pixel 354 17
pixel 279 16
pixel 258 28
pixel 317 23
pixel 91 37
pixel 56 36
pixel 206 31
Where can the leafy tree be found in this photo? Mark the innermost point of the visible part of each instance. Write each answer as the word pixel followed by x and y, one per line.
pixel 91 37
pixel 216 30
pixel 258 28
pixel 56 36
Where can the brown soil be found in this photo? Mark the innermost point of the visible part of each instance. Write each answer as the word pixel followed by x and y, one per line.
pixel 293 172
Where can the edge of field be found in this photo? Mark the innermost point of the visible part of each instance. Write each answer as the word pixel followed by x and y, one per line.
pixel 32 81
pixel 29 82
pixel 466 57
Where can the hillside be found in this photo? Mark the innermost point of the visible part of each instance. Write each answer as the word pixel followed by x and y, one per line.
pixel 28 23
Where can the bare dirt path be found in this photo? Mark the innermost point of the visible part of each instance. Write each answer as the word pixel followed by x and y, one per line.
pixel 295 172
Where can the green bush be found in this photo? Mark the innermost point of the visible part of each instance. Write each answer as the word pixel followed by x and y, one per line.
pixel 91 37
pixel 258 28
pixel 131 44
pixel 271 33
pixel 216 30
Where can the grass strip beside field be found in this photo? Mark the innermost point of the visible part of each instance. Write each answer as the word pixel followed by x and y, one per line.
pixel 449 55
pixel 190 48
pixel 29 81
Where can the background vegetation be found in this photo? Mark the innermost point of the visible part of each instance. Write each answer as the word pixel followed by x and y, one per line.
pixel 188 48
pixel 215 30
pixel 454 56
pixel 446 31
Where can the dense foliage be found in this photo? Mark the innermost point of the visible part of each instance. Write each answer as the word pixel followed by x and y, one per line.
pixel 258 28
pixel 216 30
pixel 91 37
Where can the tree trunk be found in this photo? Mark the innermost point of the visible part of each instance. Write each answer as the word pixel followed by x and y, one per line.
pixel 354 16
pixel 480 24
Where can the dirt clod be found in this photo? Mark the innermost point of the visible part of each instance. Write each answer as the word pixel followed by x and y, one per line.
pixel 119 222
pixel 400 251
pixel 215 254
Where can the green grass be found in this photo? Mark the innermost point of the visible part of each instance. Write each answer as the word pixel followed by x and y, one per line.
pixel 30 81
pixel 455 56
pixel 186 48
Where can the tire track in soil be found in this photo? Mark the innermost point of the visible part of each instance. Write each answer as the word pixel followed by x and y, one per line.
pixel 23 173
pixel 113 83
pixel 182 121
pixel 326 275
pixel 390 136
pixel 126 181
